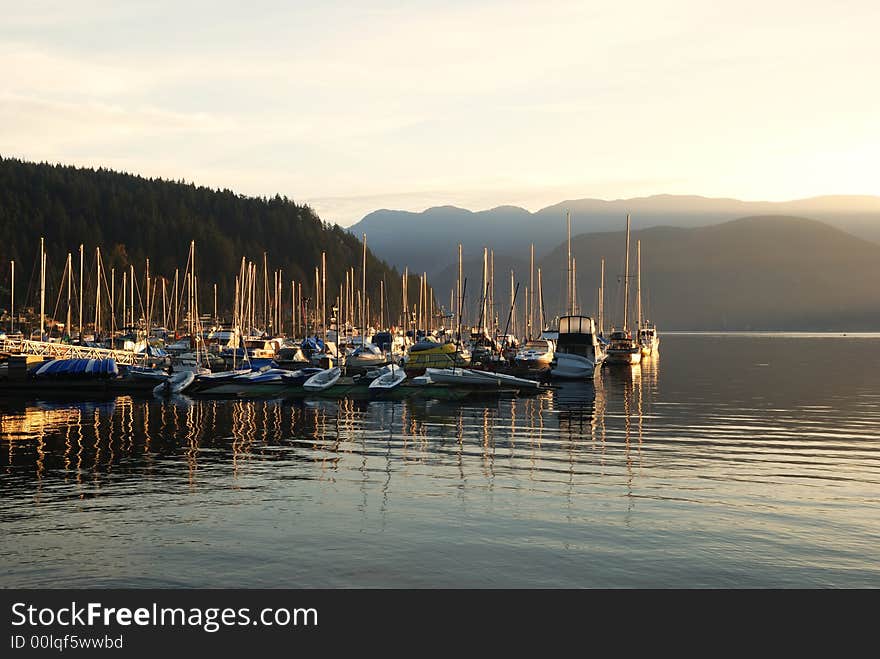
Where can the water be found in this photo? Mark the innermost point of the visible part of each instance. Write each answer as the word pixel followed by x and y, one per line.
pixel 729 461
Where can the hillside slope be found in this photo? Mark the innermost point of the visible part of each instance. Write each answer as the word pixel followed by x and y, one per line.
pixel 132 218
pixel 768 272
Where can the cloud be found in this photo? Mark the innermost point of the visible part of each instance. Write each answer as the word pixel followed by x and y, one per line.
pixel 474 103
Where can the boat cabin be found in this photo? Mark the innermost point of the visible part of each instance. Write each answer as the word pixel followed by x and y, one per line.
pixel 577 336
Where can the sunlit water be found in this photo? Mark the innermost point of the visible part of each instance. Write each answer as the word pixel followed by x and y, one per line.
pixel 727 461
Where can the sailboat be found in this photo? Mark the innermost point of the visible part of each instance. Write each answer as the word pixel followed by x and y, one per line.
pixel 623 348
pixel 578 353
pixel 649 339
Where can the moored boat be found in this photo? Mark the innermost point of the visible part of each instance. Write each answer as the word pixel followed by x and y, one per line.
pixel 363 358
pixel 475 378
pixel 389 380
pixel 578 350
pixel 432 354
pixel 175 384
pixel 323 380
pixel 623 349
pixel 649 339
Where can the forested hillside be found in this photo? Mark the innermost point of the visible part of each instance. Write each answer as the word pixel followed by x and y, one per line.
pixel 132 218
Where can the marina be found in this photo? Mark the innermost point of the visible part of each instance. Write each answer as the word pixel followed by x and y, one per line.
pixel 329 324
pixel 331 349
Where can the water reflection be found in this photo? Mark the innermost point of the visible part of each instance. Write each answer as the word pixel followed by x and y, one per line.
pixel 130 437
pixel 540 490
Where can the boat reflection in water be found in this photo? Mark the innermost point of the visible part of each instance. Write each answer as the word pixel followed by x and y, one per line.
pixel 171 473
pixel 587 484
pixel 129 438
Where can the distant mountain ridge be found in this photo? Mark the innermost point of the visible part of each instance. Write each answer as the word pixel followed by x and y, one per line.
pixel 430 238
pixel 753 273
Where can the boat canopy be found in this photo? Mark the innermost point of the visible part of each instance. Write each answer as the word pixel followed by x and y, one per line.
pixel 76 368
pixel 367 349
pixel 383 340
pixel 153 351
pixel 313 343
pixel 427 344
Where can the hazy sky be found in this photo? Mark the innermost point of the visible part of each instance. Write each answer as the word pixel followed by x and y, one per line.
pixel 353 106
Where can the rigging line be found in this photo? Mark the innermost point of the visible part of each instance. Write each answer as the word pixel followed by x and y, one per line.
pixel 60 290
pixel 183 280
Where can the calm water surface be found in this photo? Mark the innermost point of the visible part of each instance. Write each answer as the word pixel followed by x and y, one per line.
pixel 728 461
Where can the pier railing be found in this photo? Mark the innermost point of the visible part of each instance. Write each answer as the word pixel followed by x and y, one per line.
pixel 68 351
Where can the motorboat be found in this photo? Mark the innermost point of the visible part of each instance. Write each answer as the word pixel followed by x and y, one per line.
pixel 291 357
pixel 364 357
pixel 389 380
pixel 623 349
pixel 578 351
pixel 649 339
pixel 175 384
pixel 323 380
pixel 536 354
pixel 430 353
pixel 475 378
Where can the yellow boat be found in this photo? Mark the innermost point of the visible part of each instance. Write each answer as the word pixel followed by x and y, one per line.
pixel 431 354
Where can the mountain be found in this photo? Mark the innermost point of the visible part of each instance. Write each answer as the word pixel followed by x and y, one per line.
pixel 132 218
pixel 430 238
pixel 766 272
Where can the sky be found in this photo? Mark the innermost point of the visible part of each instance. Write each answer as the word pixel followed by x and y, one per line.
pixel 355 106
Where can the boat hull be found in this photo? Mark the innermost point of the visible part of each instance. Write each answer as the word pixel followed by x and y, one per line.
pixel 573 367
pixel 623 357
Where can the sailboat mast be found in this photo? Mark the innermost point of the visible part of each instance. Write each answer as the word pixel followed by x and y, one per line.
pixel 541 301
pixel 317 296
pixel 568 286
pixel 98 292
pixel 164 304
pixel 404 293
pixel 626 278
pixel 531 296
pixel 147 310
pixel 42 286
pixel 113 305
pixel 131 281
pixel 485 290
pixel 460 284
pixel 364 296
pixel 639 283
pixel 69 292
pixel 12 299
pixel 192 291
pixel 176 300
pixel 124 296
pixel 492 323
pixel 80 292
pixel 602 299
pixel 266 319
pixel 512 315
